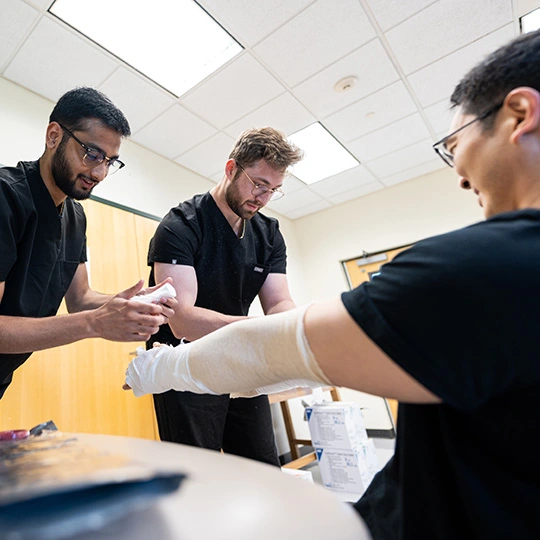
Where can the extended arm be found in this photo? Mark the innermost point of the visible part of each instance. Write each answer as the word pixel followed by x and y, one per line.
pixel 321 345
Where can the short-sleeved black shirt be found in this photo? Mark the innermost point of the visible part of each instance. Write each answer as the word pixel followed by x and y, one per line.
pixel 230 270
pixel 460 313
pixel 40 250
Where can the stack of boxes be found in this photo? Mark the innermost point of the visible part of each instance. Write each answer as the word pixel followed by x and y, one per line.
pixel 346 457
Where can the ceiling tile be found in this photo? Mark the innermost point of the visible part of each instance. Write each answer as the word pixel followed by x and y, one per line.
pixel 440 115
pixel 341 182
pixel 445 26
pixel 356 192
pixel 414 172
pixel 292 183
pixel 248 23
pixel 403 159
pixel 294 200
pixel 51 61
pixel 240 87
pixel 323 33
pixel 209 157
pixel 391 12
pixel 318 93
pixel 41 4
pixel 438 80
pixel 142 103
pixel 16 18
pixel 284 113
pixel 389 138
pixel 373 112
pixel 174 132
pixel 308 209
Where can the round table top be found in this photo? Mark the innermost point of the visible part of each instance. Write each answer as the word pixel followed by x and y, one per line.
pixel 226 497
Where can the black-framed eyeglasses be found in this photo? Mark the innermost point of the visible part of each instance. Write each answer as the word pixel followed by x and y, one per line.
pixel 440 146
pixel 94 157
pixel 262 191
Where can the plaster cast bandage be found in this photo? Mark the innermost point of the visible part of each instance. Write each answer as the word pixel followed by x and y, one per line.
pixel 165 291
pixel 247 358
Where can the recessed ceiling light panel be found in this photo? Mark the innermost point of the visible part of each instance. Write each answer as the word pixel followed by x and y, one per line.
pixel 530 22
pixel 173 42
pixel 324 156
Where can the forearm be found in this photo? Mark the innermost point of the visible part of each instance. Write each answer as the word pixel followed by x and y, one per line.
pixel 193 322
pixel 25 334
pixel 90 300
pixel 280 307
pixel 257 356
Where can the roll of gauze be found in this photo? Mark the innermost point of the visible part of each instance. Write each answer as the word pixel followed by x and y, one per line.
pixel 165 291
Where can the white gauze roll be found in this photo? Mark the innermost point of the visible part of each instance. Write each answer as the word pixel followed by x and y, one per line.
pixel 261 355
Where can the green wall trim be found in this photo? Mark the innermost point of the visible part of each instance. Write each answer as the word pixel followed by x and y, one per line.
pixel 125 208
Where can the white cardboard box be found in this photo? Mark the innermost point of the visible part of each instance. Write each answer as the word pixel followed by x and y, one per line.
pixel 336 425
pixel 348 471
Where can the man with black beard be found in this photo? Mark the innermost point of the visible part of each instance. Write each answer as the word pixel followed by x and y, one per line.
pixel 43 239
pixel 221 253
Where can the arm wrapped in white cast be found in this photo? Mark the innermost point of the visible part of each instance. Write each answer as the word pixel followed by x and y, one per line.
pixel 263 355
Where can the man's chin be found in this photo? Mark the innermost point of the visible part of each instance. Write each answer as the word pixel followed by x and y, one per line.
pixel 79 194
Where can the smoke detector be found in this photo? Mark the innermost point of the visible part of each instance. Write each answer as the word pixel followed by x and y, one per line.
pixel 345 84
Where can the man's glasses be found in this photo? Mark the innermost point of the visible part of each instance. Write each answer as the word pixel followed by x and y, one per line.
pixel 94 157
pixel 440 146
pixel 262 191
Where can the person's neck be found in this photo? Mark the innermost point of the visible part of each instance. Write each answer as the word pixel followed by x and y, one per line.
pixel 57 195
pixel 237 224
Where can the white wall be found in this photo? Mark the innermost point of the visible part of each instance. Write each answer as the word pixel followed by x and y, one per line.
pixel 396 216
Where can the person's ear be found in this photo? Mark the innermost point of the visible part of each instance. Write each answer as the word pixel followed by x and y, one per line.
pixel 230 169
pixel 53 135
pixel 524 104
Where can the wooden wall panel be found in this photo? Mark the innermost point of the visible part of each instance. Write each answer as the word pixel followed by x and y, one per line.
pixel 79 386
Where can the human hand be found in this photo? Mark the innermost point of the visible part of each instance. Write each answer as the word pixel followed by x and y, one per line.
pixel 163 293
pixel 159 369
pixel 124 319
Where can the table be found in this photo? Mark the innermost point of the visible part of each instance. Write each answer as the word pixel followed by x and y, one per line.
pixel 226 497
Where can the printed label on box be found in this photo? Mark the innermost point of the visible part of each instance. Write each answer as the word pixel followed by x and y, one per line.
pixel 336 425
pixel 346 470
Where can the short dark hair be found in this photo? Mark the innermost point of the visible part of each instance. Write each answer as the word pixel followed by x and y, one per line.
pixel 265 143
pixel 77 106
pixel 486 85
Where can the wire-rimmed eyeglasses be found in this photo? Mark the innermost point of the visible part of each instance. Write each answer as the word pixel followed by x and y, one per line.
pixel 94 157
pixel 440 146
pixel 262 191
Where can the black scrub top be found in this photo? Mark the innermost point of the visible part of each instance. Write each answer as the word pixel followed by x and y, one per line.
pixel 40 250
pixel 230 270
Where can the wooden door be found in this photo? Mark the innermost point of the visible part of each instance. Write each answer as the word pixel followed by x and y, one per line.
pixel 362 269
pixel 79 386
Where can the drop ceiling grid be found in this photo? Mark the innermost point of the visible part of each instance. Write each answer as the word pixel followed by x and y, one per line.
pixel 294 53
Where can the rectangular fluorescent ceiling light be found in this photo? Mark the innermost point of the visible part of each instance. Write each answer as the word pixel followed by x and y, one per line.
pixel 530 22
pixel 173 42
pixel 324 156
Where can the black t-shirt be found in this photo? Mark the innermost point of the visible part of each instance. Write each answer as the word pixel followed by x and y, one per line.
pixel 459 313
pixel 40 250
pixel 230 270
